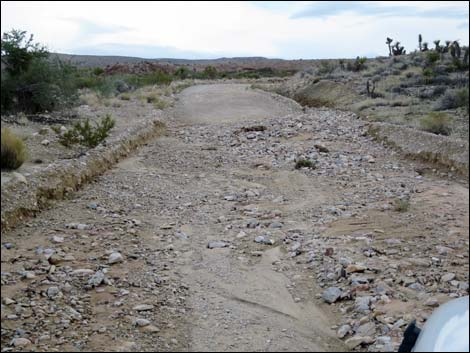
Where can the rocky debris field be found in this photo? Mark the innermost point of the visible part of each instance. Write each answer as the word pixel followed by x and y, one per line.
pixel 214 238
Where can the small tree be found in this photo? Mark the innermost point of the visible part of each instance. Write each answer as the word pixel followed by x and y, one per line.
pixel 31 82
pixel 389 43
pixel 210 72
pixel 18 52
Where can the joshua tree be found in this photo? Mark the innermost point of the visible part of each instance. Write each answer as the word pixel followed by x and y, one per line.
pixel 389 43
pixel 420 42
pixel 397 49
pixel 425 46
pixel 447 47
pixel 437 45
pixel 370 88
pixel 455 50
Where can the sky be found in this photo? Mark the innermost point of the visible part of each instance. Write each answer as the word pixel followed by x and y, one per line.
pixel 208 30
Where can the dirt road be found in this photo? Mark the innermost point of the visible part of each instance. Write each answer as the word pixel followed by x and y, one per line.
pixel 208 239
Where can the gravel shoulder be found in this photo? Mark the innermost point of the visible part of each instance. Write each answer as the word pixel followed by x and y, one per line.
pixel 209 239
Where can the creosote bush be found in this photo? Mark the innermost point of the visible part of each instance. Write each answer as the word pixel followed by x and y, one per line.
pixel 402 205
pixel 437 122
pixel 86 134
pixel 13 150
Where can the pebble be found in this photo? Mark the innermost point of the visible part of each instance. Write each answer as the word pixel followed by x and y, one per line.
pixel 217 244
pixel 355 268
pixel 143 307
pixel 115 258
pixel 332 294
pixel 96 279
pixel 53 292
pixel 20 342
pixel 343 331
pixel 141 322
pixel 432 302
pixel 448 277
pixel 362 304
pixel 20 177
pixel 357 341
pixel 57 239
pixel 263 240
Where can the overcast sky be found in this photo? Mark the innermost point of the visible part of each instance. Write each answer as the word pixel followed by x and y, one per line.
pixel 194 30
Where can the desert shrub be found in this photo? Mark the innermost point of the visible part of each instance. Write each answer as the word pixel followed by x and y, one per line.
pixel 463 98
pixel 125 96
pixel 13 150
pixel 86 134
pixel 402 205
pixel 151 98
pixel 98 71
pixel 182 73
pixel 210 72
pixel 436 122
pixel 305 163
pixel 326 67
pixel 452 99
pixel 428 75
pixel 357 65
pixel 432 57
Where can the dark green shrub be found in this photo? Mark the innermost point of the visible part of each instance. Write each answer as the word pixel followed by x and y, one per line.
pixel 13 150
pixel 357 65
pixel 432 57
pixel 210 72
pixel 97 71
pixel 182 73
pixel 326 67
pixel 437 123
pixel 31 82
pixel 86 134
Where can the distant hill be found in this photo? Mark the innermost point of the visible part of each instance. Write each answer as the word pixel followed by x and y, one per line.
pixel 236 63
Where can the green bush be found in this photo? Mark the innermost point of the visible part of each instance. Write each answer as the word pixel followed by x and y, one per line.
pixel 97 71
pixel 432 57
pixel 13 150
pixel 210 72
pixel 86 134
pixel 31 82
pixel 437 123
pixel 357 65
pixel 326 67
pixel 463 99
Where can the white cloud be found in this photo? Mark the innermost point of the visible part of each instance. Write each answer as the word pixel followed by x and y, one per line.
pixel 218 28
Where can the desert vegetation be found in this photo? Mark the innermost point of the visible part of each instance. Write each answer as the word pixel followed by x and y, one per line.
pixel 13 150
pixel 405 87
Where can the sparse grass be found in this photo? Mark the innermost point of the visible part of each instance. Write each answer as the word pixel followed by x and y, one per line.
pixel 13 150
pixel 402 205
pixel 93 99
pixel 305 163
pixel 437 122
pixel 453 99
pixel 369 103
pixel 125 96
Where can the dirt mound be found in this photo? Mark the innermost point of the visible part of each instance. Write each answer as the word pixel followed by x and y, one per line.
pixel 326 94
